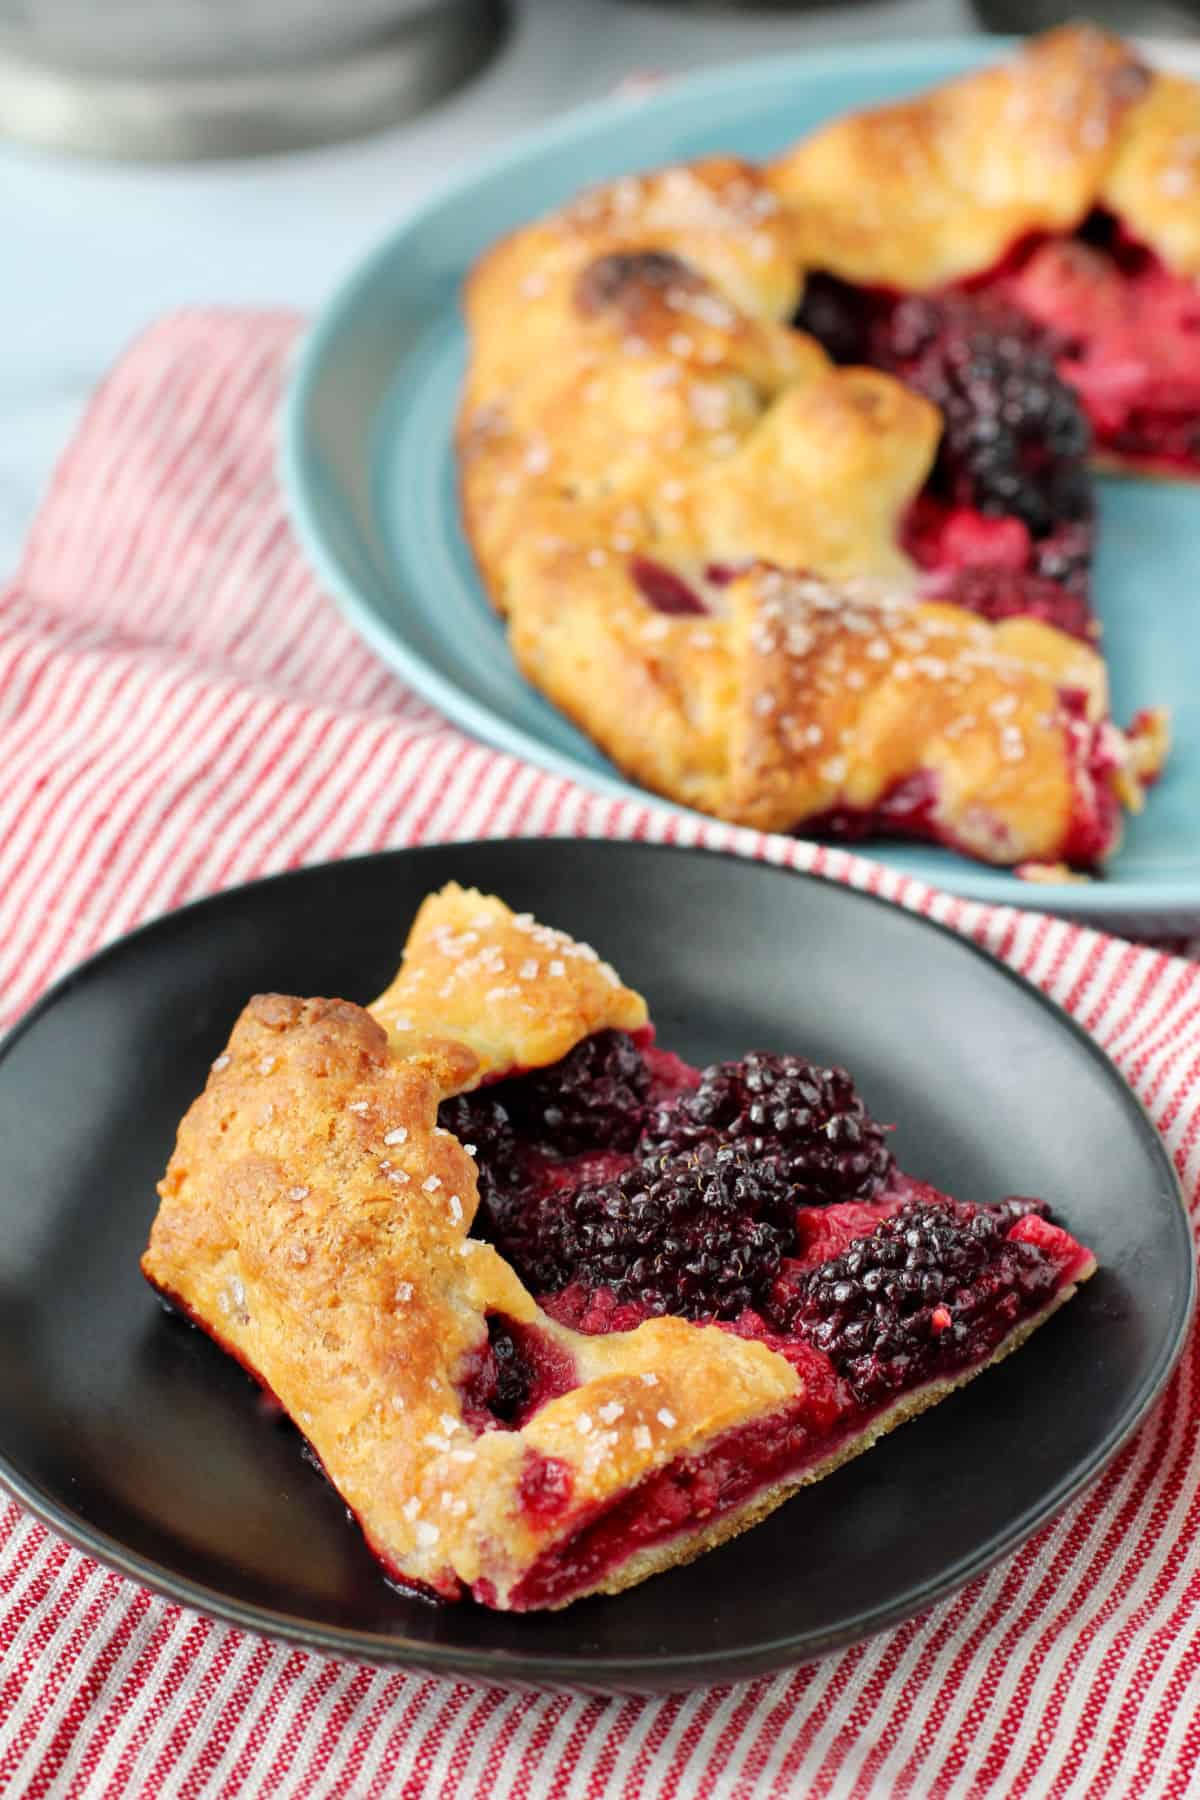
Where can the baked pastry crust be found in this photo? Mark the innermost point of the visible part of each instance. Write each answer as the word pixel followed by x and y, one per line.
pixel 315 1221
pixel 514 993
pixel 637 414
pixel 936 189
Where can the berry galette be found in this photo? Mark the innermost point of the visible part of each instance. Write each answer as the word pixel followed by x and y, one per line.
pixel 782 475
pixel 554 1310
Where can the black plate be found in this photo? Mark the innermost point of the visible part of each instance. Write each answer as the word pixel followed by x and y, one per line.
pixel 137 1439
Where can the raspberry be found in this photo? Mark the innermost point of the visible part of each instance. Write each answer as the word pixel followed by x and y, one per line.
pixel 995 593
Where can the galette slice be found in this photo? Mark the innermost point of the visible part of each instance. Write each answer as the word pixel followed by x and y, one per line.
pixel 554 1310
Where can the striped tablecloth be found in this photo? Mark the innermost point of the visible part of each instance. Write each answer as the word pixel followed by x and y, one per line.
pixel 180 709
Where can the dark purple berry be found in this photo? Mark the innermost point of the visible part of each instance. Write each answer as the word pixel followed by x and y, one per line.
pixel 481 1121
pixel 514 1373
pixel 700 1236
pixel 806 1120
pixel 935 1286
pixel 594 1099
pixel 838 316
pixel 1015 434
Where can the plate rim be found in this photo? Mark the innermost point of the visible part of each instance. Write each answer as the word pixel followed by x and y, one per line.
pixel 1110 898
pixel 650 1673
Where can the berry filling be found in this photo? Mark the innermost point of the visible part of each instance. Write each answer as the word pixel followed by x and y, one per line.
pixel 689 1492
pixel 697 1235
pixel 1128 337
pixel 908 809
pixel 758 1196
pixel 1009 495
pixel 804 1123
pixel 994 592
pixel 666 591
pixel 1071 344
pixel 931 1278
pixel 922 1290
pixel 516 1371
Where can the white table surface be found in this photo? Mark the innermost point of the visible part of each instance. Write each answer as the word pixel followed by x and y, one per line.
pixel 94 250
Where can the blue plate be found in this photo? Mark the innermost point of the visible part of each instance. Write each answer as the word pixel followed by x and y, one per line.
pixel 369 470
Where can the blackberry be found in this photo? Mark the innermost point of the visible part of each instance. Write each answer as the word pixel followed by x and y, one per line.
pixel 838 316
pixel 934 1286
pixel 1014 433
pixel 482 1121
pixel 700 1236
pixel 594 1099
pixel 514 1374
pixel 514 1371
pixel 808 1121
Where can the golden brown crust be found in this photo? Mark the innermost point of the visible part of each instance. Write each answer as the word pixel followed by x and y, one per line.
pixel 844 701
pixel 634 397
pixel 929 190
pixel 939 188
pixel 803 700
pixel 516 993
pixel 719 214
pixel 1153 182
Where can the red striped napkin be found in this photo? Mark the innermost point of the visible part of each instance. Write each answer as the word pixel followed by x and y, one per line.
pixel 181 708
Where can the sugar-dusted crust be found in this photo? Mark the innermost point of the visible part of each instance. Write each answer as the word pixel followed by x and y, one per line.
pixel 672 1552
pixel 636 398
pixel 804 700
pixel 516 993
pixel 935 189
pixel 842 704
